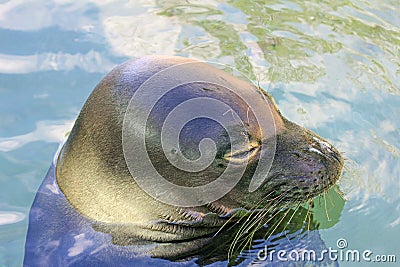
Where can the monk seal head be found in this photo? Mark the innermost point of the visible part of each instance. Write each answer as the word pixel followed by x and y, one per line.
pixel 168 148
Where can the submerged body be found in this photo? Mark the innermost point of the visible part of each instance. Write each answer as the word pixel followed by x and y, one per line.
pixel 60 236
pixel 103 214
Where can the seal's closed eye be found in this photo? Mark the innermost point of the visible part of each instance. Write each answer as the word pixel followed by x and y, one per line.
pixel 243 155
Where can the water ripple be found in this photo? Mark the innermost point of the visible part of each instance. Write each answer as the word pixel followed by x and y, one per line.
pixel 89 62
pixel 10 217
pixel 46 131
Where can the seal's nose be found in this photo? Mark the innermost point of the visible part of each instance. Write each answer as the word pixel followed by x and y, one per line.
pixel 325 149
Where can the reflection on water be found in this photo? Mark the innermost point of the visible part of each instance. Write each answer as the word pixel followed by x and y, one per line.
pixel 45 131
pixel 332 66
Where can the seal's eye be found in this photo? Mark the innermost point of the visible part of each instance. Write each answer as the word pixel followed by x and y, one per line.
pixel 243 155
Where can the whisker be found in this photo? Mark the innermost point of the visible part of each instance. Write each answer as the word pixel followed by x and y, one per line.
pixel 346 168
pixel 330 198
pixel 340 193
pixel 243 229
pixel 291 217
pixel 257 219
pixel 249 224
pixel 326 209
pixel 255 207
pixel 278 224
pixel 254 227
pixel 309 217
pixel 294 212
pixel 254 220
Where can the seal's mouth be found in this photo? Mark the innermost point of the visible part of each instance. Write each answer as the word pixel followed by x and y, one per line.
pixel 242 156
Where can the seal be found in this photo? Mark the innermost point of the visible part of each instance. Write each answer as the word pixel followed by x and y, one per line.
pixel 106 182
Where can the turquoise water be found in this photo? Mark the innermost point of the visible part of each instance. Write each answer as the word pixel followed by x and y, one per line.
pixel 332 66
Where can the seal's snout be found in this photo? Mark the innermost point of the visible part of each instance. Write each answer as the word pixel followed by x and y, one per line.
pixel 323 163
pixel 304 171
